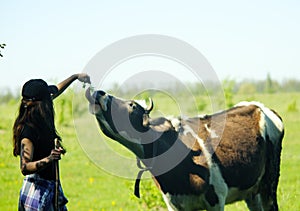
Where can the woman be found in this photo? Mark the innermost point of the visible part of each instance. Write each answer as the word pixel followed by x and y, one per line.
pixel 34 133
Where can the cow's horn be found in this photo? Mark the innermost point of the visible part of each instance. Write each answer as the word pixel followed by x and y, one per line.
pixel 150 107
pixel 88 95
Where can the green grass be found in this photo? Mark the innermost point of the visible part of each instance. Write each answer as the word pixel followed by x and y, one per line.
pixel 90 187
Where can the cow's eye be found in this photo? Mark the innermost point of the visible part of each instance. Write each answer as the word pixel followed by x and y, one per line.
pixel 132 105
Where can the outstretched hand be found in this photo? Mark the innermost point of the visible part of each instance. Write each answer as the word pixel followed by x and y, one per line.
pixel 83 77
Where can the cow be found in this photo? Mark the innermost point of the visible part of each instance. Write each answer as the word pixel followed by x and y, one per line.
pixel 202 162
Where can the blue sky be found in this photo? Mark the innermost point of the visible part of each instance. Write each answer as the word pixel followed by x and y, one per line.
pixel 240 39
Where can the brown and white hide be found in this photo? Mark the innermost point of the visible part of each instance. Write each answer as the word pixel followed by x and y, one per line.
pixel 229 156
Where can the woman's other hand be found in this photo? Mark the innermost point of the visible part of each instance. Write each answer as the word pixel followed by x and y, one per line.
pixel 55 154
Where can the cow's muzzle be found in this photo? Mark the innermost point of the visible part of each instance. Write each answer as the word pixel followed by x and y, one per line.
pixel 99 98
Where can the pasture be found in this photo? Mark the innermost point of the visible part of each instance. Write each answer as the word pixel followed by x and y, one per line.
pixel 90 188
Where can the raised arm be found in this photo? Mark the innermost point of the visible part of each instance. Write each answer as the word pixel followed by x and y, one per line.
pixel 82 77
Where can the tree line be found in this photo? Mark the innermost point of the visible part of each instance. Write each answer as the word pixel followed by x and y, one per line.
pixel 229 86
pixel 248 86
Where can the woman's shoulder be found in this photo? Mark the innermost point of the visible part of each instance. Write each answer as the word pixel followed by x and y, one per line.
pixel 29 132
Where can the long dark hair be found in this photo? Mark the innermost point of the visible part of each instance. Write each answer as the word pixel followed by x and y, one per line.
pixel 38 115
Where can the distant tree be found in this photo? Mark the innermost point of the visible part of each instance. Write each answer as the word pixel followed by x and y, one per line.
pixel 6 95
pixel 247 88
pixel 2 46
pixel 228 88
pixel 290 85
pixel 260 85
pixel 271 86
pixel 197 88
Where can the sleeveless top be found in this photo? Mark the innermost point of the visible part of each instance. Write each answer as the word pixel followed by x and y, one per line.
pixel 43 143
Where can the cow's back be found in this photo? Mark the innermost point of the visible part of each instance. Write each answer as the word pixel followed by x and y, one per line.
pixel 240 141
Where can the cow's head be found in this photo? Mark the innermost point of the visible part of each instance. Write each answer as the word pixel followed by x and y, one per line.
pixel 122 120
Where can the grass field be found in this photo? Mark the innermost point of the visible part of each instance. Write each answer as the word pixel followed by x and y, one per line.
pixel 88 187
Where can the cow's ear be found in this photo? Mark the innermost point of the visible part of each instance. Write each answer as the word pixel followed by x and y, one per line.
pixel 163 126
pixel 146 120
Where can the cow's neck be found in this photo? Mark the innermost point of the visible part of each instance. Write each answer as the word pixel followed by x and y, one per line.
pixel 176 164
pixel 142 146
pixel 136 148
pixel 160 144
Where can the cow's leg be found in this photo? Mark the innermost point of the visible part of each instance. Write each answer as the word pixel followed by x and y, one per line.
pixel 269 204
pixel 270 181
pixel 216 196
pixel 269 200
pixel 268 191
pixel 254 203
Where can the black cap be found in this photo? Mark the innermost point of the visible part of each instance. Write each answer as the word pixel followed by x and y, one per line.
pixel 38 89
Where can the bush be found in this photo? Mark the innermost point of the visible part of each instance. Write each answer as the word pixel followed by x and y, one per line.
pixel 151 198
pixel 292 107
